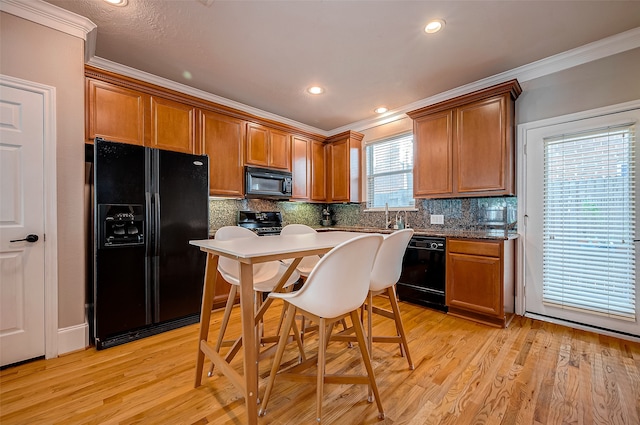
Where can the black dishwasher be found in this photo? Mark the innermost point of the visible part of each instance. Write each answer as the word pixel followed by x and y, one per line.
pixel 423 273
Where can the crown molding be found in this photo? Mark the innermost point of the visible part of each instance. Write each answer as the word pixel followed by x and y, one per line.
pixel 609 46
pixel 108 65
pixel 54 17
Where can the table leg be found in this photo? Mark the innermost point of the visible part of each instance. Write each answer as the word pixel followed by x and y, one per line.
pixel 208 292
pixel 249 334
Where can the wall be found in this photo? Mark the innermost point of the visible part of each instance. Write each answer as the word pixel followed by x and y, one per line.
pixel 608 81
pixel 36 53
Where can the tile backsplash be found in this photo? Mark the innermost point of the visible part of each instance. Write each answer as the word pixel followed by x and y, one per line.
pixel 224 212
pixel 459 214
pixel 462 213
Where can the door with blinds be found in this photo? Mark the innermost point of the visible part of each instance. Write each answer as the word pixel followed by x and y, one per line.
pixel 581 249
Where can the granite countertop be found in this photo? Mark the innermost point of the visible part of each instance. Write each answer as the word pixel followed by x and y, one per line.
pixel 493 234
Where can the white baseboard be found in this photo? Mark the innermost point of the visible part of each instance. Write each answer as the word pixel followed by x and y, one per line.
pixel 582 327
pixel 73 338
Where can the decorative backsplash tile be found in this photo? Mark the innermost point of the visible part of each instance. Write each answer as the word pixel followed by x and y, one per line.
pixel 224 212
pixel 459 214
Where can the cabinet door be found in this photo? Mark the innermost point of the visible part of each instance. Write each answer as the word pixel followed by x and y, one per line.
pixel 481 146
pixel 257 145
pixel 115 113
pixel 318 174
pixel 433 160
pixel 474 284
pixel 339 174
pixel 221 138
pixel 301 168
pixel 279 150
pixel 172 125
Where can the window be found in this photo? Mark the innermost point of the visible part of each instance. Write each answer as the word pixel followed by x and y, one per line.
pixel 589 222
pixel 390 172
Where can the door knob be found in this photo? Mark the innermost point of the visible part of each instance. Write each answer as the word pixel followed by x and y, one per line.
pixel 29 238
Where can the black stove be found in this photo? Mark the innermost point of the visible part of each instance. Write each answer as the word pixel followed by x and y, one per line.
pixel 261 222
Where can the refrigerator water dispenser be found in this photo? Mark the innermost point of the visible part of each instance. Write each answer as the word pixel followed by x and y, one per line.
pixel 121 225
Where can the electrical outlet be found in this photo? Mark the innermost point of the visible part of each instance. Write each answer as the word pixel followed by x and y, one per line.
pixel 437 219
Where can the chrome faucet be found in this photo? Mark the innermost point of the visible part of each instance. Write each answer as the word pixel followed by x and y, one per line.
pixel 386 216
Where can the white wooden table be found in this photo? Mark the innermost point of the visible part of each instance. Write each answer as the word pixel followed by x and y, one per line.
pixel 250 251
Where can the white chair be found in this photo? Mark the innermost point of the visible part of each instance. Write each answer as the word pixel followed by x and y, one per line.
pixel 336 288
pixel 384 276
pixel 308 263
pixel 265 279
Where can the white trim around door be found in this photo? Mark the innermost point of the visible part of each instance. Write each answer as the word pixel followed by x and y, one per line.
pixel 48 94
pixel 527 132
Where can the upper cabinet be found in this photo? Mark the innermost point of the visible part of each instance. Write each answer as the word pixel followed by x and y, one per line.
pixel 115 113
pixel 221 138
pixel 318 164
pixel 343 167
pixel 126 110
pixel 129 116
pixel 464 147
pixel 301 168
pixel 267 147
pixel 172 125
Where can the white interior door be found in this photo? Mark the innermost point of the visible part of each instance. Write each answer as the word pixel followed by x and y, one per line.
pixel 574 251
pixel 22 263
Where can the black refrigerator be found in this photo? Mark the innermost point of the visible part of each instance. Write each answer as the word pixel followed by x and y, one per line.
pixel 148 205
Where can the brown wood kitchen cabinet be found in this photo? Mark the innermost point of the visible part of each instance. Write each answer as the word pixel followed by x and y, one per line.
pixel 124 115
pixel 480 280
pixel 318 171
pixel 343 167
pixel 267 147
pixel 172 125
pixel 221 138
pixel 464 147
pixel 301 168
pixel 115 113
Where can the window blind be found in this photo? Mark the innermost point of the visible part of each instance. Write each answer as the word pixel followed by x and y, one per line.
pixel 589 222
pixel 390 172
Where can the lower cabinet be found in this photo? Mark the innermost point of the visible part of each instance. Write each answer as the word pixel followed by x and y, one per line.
pixel 481 279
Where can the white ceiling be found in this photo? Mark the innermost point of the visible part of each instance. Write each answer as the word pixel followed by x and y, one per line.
pixel 364 53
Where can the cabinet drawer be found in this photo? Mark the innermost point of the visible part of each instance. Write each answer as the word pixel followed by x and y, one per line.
pixel 487 249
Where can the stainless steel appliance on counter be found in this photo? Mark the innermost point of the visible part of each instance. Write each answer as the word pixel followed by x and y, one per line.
pixel 261 222
pixel 148 204
pixel 423 277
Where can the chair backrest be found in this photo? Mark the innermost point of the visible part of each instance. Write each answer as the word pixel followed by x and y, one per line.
pixel 297 229
pixel 340 281
pixel 227 265
pixel 388 265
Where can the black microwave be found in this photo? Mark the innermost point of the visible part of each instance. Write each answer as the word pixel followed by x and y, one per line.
pixel 267 183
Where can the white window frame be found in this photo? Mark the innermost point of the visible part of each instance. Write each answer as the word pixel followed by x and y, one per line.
pixel 366 183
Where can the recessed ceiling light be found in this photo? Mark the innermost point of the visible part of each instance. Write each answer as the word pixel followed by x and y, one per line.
pixel 117 2
pixel 315 90
pixel 380 110
pixel 434 26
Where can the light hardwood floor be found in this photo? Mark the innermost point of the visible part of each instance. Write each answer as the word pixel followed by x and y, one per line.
pixel 466 373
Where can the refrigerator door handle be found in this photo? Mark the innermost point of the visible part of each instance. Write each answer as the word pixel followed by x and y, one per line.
pixel 147 219
pixel 156 229
pixel 156 259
